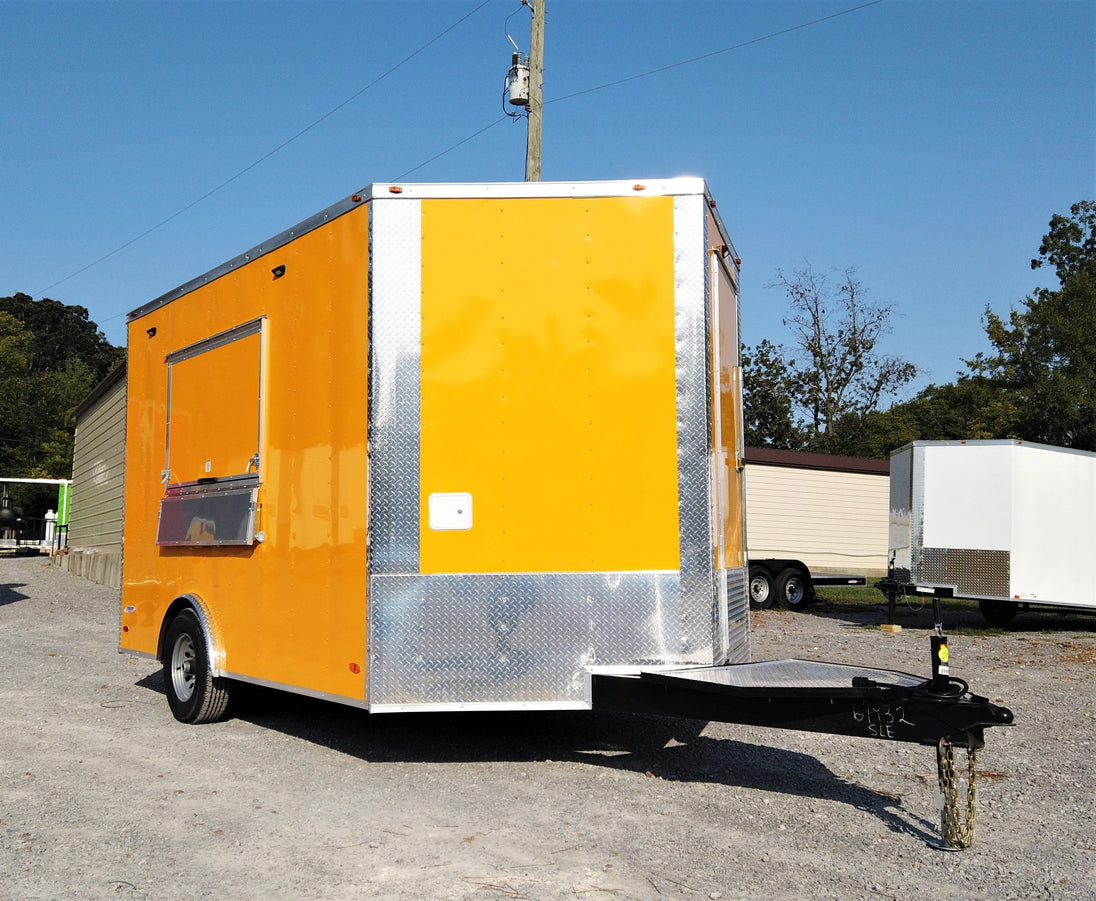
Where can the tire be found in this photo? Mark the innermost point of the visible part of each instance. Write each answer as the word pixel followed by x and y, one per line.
pixel 998 613
pixel 193 694
pixel 761 588
pixel 793 588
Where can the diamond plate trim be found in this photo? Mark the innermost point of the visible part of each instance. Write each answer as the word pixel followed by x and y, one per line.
pixel 797 674
pixel 738 615
pixel 395 298
pixel 973 572
pixel 917 512
pixel 900 518
pixel 439 641
pixel 691 291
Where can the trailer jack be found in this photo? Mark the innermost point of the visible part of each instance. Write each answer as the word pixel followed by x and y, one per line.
pixel 831 698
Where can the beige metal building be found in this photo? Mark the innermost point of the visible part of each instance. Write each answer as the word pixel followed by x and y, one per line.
pixel 98 466
pixel 829 512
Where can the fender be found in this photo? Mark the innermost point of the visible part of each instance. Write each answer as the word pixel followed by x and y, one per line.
pixel 215 653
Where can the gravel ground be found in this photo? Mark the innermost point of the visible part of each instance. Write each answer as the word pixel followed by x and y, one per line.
pixel 104 795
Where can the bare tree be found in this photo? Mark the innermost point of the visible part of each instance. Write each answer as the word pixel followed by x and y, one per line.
pixel 840 376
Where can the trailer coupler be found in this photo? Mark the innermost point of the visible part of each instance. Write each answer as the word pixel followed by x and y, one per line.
pixel 831 698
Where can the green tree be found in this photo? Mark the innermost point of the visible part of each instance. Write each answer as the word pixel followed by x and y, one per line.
pixel 51 356
pixel 972 408
pixel 15 346
pixel 1070 245
pixel 768 398
pixel 61 333
pixel 1045 353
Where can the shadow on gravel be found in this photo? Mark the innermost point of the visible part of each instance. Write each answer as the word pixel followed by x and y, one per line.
pixel 659 747
pixel 956 617
pixel 8 594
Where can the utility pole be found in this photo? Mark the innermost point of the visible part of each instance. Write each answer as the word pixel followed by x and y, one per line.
pixel 536 91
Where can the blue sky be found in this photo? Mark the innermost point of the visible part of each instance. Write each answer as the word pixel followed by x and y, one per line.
pixel 925 143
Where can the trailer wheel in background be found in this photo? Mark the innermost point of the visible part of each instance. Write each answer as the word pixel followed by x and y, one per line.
pixel 761 588
pixel 793 589
pixel 193 694
pixel 998 613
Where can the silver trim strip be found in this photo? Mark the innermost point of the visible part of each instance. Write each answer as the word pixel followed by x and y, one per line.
pixel 277 242
pixel 691 292
pixel 221 339
pixel 488 706
pixel 214 645
pixel 615 188
pixel 346 700
pixel 381 190
pixel 135 653
pixel 395 306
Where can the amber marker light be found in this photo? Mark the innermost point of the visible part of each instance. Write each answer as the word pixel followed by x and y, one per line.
pixel 355 668
pixel 395 189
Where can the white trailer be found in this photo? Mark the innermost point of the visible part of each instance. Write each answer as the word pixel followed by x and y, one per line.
pixel 1008 523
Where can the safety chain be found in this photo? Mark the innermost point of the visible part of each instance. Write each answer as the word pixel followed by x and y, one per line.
pixel 958 833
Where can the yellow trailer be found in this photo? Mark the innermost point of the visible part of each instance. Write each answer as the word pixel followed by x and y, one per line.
pixel 442 447
pixel 473 447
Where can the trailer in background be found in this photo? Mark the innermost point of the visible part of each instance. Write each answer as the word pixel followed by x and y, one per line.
pixel 812 519
pixel 790 583
pixel 1008 523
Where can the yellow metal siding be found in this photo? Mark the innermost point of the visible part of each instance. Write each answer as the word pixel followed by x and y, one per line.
pixel 548 384
pixel 291 609
pixel 832 521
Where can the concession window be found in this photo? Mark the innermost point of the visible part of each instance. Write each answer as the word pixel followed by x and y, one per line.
pixel 214 427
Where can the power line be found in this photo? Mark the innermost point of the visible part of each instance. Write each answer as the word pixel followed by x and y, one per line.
pixel 269 154
pixel 451 148
pixel 610 84
pixel 704 56
pixel 685 62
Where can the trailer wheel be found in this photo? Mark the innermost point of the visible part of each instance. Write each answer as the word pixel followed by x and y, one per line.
pixel 792 588
pixel 998 613
pixel 761 588
pixel 193 694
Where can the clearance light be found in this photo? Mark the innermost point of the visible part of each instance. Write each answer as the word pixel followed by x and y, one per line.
pixel 638 187
pixel 395 189
pixel 355 668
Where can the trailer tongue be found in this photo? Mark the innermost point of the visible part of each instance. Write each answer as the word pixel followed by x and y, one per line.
pixel 809 695
pixel 832 698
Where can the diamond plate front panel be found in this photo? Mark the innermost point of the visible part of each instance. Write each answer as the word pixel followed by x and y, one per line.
pixel 449 641
pixel 395 338
pixel 445 641
pixel 973 572
pixel 702 617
